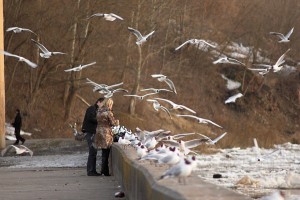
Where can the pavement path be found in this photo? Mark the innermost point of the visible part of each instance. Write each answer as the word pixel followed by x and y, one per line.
pixel 55 183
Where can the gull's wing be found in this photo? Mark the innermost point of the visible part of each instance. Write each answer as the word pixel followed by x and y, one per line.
pixel 236 61
pixel 171 85
pixel 6 149
pixel 87 65
pixel 157 75
pixel 31 64
pixel 12 28
pixel 256 148
pixel 180 46
pixel 149 34
pixel 26 29
pixel 166 110
pixel 281 59
pixel 29 151
pixel 40 46
pixel 209 121
pixel 135 32
pixel 166 90
pixel 57 52
pixel 166 100
pixel 10 54
pixel 149 94
pixel 188 109
pixel 115 85
pixel 211 45
pixel 116 16
pixel 147 89
pixel 96 15
pixel 181 135
pixel 289 33
pixel 278 34
pixel 171 143
pixel 206 137
pixel 218 138
pixel 120 90
pixel 72 69
pixel 193 143
pixel 219 60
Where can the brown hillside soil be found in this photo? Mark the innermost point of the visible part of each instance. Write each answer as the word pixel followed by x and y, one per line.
pixel 50 98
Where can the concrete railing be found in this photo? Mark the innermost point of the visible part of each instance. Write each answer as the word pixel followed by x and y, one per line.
pixel 139 180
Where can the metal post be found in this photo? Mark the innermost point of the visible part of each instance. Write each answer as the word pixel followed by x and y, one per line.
pixel 2 86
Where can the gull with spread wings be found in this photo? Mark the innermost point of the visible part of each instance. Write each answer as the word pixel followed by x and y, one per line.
pixel 19 30
pixel 157 106
pixel 46 53
pixel 108 17
pixel 110 93
pixel 79 68
pixel 156 90
pixel 19 150
pixel 200 120
pixel 163 78
pixel 196 42
pixel 176 106
pixel 21 59
pixel 102 88
pixel 224 59
pixel 140 38
pixel 278 65
pixel 214 141
pixel 283 38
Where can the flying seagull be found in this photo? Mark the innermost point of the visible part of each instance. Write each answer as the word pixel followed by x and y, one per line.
pixel 140 38
pixel 111 92
pixel 233 98
pixel 284 38
pixel 46 53
pixel 231 84
pixel 278 65
pixel 201 120
pixel 19 150
pixel 79 68
pixel 102 88
pixel 196 42
pixel 108 17
pixel 225 59
pixel 163 78
pixel 21 59
pixel 157 106
pixel 19 30
pixel 176 106
pixel 214 141
pixel 156 90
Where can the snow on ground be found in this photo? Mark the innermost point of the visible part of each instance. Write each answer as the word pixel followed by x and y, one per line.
pixel 278 168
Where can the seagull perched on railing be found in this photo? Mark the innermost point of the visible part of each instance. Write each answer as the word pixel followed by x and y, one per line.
pixel 196 42
pixel 19 30
pixel 21 59
pixel 108 17
pixel 283 38
pixel 176 106
pixel 19 150
pixel 225 59
pixel 80 67
pixel 46 53
pixel 163 78
pixel 140 38
pixel 200 120
pixel 78 135
pixel 233 98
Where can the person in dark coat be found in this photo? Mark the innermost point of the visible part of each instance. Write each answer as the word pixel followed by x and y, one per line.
pixel 89 127
pixel 17 124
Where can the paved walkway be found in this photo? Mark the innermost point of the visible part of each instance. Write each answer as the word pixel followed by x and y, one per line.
pixel 55 184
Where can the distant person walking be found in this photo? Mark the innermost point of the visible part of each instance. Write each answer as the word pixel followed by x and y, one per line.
pixel 89 127
pixel 17 124
pixel 104 135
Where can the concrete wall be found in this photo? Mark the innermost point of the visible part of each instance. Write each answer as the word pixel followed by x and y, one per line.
pixel 139 180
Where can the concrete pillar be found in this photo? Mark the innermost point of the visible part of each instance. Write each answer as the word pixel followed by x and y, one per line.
pixel 2 86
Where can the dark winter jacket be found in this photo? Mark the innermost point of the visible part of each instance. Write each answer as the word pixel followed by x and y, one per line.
pixel 90 121
pixel 18 121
